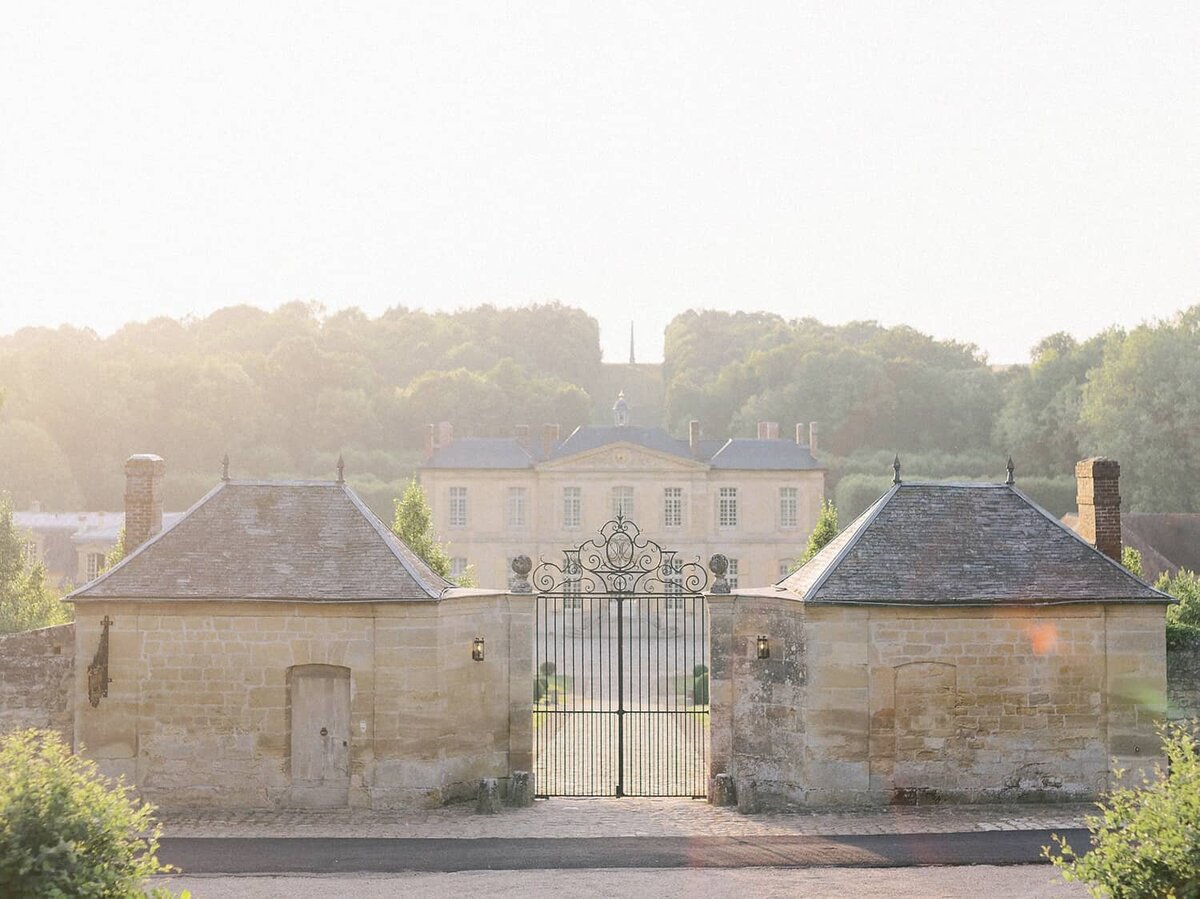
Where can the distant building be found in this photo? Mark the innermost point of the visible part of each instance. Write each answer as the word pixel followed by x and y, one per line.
pixel 1167 541
pixel 73 545
pixel 754 500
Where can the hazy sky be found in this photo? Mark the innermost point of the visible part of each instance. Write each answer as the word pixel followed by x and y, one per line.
pixel 989 172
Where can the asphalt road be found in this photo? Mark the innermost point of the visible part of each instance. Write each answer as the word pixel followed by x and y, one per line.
pixel 303 855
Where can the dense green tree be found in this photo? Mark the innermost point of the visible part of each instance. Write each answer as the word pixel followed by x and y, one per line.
pixel 1040 422
pixel 26 601
pixel 1142 406
pixel 413 523
pixel 823 533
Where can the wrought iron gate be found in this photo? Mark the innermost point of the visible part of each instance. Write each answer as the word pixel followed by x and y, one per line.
pixel 621 670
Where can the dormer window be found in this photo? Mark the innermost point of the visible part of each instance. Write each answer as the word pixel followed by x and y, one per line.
pixel 621 411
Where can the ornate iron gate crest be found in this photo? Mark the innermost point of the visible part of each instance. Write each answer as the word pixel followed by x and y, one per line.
pixel 621 680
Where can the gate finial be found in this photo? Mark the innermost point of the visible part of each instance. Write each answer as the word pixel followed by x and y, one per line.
pixel 521 566
pixel 718 565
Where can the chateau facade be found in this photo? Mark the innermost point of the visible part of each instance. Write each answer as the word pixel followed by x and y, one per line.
pixel 754 500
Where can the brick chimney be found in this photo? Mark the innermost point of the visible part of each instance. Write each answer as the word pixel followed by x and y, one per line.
pixel 445 434
pixel 549 439
pixel 430 441
pixel 1097 481
pixel 521 432
pixel 812 437
pixel 143 498
pixel 768 430
pixel 694 436
pixel 801 434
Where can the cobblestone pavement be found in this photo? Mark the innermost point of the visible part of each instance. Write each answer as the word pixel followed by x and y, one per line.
pixel 621 818
pixel 1026 881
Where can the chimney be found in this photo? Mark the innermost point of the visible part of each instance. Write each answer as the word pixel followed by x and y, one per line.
pixel 549 439
pixel 812 437
pixel 694 436
pixel 445 434
pixel 143 498
pixel 521 432
pixel 1097 480
pixel 768 430
pixel 801 434
pixel 430 441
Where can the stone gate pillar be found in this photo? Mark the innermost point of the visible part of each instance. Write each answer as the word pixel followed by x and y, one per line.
pixel 719 608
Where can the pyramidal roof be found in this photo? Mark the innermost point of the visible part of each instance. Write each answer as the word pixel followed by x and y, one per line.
pixel 309 541
pixel 962 544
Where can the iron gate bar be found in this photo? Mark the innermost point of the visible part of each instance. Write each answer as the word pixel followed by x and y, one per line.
pixel 653 725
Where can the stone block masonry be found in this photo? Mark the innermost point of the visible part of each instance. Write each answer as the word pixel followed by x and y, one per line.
pixel 36 672
pixel 887 704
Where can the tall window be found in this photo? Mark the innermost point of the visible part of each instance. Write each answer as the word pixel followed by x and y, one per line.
pixel 95 564
pixel 572 507
pixel 732 574
pixel 786 566
pixel 622 501
pixel 789 503
pixel 516 507
pixel 458 507
pixel 672 507
pixel 727 507
pixel 31 553
pixel 458 567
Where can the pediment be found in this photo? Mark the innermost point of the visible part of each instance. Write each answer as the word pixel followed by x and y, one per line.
pixel 622 457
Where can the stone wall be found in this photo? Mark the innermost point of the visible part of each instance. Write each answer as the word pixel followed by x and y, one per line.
pixel 36 671
pixel 199 714
pixel 1183 681
pixel 865 705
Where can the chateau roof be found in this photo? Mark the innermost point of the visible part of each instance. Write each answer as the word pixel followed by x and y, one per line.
pixel 508 452
pixel 962 544
pixel 310 541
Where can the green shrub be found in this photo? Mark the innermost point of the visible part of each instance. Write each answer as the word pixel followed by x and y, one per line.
pixel 1146 841
pixel 67 831
pixel 700 688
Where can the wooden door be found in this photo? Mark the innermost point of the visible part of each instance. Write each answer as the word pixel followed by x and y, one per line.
pixel 320 738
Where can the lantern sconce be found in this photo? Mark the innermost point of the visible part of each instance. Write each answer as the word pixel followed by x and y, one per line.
pixel 477 649
pixel 764 647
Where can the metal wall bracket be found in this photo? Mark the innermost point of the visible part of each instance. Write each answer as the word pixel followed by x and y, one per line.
pixel 98 679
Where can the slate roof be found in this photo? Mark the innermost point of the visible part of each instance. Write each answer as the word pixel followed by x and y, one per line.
pixel 482 452
pixel 962 544
pixel 508 452
pixel 310 541
pixel 766 455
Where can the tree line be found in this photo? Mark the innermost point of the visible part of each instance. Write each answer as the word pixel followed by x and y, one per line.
pixel 876 391
pixel 285 392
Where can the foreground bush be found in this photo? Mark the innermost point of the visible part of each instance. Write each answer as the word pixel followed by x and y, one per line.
pixel 67 831
pixel 1146 842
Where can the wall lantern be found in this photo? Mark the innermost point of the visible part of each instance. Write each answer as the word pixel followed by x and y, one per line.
pixel 477 649
pixel 764 647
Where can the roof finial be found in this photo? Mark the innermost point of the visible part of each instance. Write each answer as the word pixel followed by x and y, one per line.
pixel 896 469
pixel 341 470
pixel 225 468
pixel 1010 480
pixel 632 360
